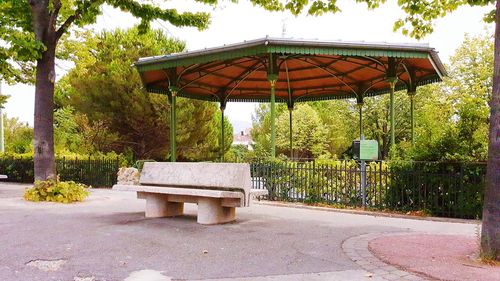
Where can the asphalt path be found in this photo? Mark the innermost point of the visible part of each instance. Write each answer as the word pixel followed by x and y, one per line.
pixel 108 238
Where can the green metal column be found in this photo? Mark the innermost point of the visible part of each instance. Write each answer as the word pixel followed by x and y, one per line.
pixel 273 119
pixel 272 77
pixel 412 117
pixel 173 124
pixel 360 107
pixel 392 83
pixel 412 90
pixel 222 107
pixel 2 139
pixel 291 132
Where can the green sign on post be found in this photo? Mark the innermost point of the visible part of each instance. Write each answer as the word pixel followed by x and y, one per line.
pixel 368 150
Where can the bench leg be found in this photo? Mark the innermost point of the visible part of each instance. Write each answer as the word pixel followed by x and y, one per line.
pixel 158 206
pixel 210 211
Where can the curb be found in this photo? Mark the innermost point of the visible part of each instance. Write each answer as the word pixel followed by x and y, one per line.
pixel 357 249
pixel 365 213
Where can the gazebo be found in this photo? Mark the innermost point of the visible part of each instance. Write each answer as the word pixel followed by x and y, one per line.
pixel 290 71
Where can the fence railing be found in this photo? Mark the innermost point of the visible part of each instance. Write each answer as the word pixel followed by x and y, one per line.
pixel 97 172
pixel 440 189
pixel 94 172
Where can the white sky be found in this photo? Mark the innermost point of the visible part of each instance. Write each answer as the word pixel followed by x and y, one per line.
pixel 238 22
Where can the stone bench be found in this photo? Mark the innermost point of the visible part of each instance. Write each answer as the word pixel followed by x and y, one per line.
pixel 217 188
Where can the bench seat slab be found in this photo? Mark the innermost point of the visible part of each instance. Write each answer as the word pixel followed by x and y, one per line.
pixel 258 192
pixel 225 202
pixel 180 191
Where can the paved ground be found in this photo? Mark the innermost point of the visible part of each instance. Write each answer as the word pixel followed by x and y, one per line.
pixel 108 238
pixel 446 257
pixel 356 248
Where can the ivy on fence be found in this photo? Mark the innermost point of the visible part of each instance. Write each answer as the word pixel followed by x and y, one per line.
pixel 440 189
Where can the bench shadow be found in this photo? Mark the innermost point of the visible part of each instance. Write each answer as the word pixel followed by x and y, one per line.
pixel 138 219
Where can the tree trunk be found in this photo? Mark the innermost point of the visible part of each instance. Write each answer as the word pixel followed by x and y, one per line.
pixel 490 235
pixel 44 29
pixel 44 116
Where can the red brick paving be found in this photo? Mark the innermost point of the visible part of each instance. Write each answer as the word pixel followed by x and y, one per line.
pixel 444 257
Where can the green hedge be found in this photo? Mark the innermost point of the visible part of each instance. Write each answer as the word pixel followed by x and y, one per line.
pixel 96 172
pixel 439 189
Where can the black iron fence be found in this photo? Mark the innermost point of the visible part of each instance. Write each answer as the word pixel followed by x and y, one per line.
pixel 439 189
pixel 97 172
pixel 94 172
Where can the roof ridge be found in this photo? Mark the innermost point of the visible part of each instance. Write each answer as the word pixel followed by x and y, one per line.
pixel 295 42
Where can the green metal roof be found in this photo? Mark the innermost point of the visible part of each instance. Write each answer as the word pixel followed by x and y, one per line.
pixel 290 46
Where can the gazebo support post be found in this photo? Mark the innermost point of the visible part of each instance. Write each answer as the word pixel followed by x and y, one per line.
pixel 362 162
pixel 392 83
pixel 273 119
pixel 412 91
pixel 412 117
pixel 290 110
pixel 392 79
pixel 272 77
pixel 222 139
pixel 173 122
pixel 360 107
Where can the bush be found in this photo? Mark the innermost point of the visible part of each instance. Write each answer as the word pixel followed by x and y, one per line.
pixel 56 191
pixel 97 172
pixel 449 189
pixel 17 168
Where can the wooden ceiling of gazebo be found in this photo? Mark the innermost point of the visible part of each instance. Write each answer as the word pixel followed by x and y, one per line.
pixel 305 70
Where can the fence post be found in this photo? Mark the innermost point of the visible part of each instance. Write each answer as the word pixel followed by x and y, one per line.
pixel 363 182
pixel 117 167
pixel 460 212
pixel 363 178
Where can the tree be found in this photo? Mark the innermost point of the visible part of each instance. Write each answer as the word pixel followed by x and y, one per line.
pixel 238 153
pixel 95 136
pixel 340 120
pixel 66 131
pixel 452 117
pixel 417 23
pixel 113 112
pixel 31 30
pixel 435 125
pixel 470 85
pixel 199 139
pixel 261 129
pixel 18 136
pixel 309 141
pixel 376 121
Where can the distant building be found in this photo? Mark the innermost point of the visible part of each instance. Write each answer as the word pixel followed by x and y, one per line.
pixel 243 138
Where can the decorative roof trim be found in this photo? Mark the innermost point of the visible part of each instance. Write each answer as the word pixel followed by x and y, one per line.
pixel 323 97
pixel 291 46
